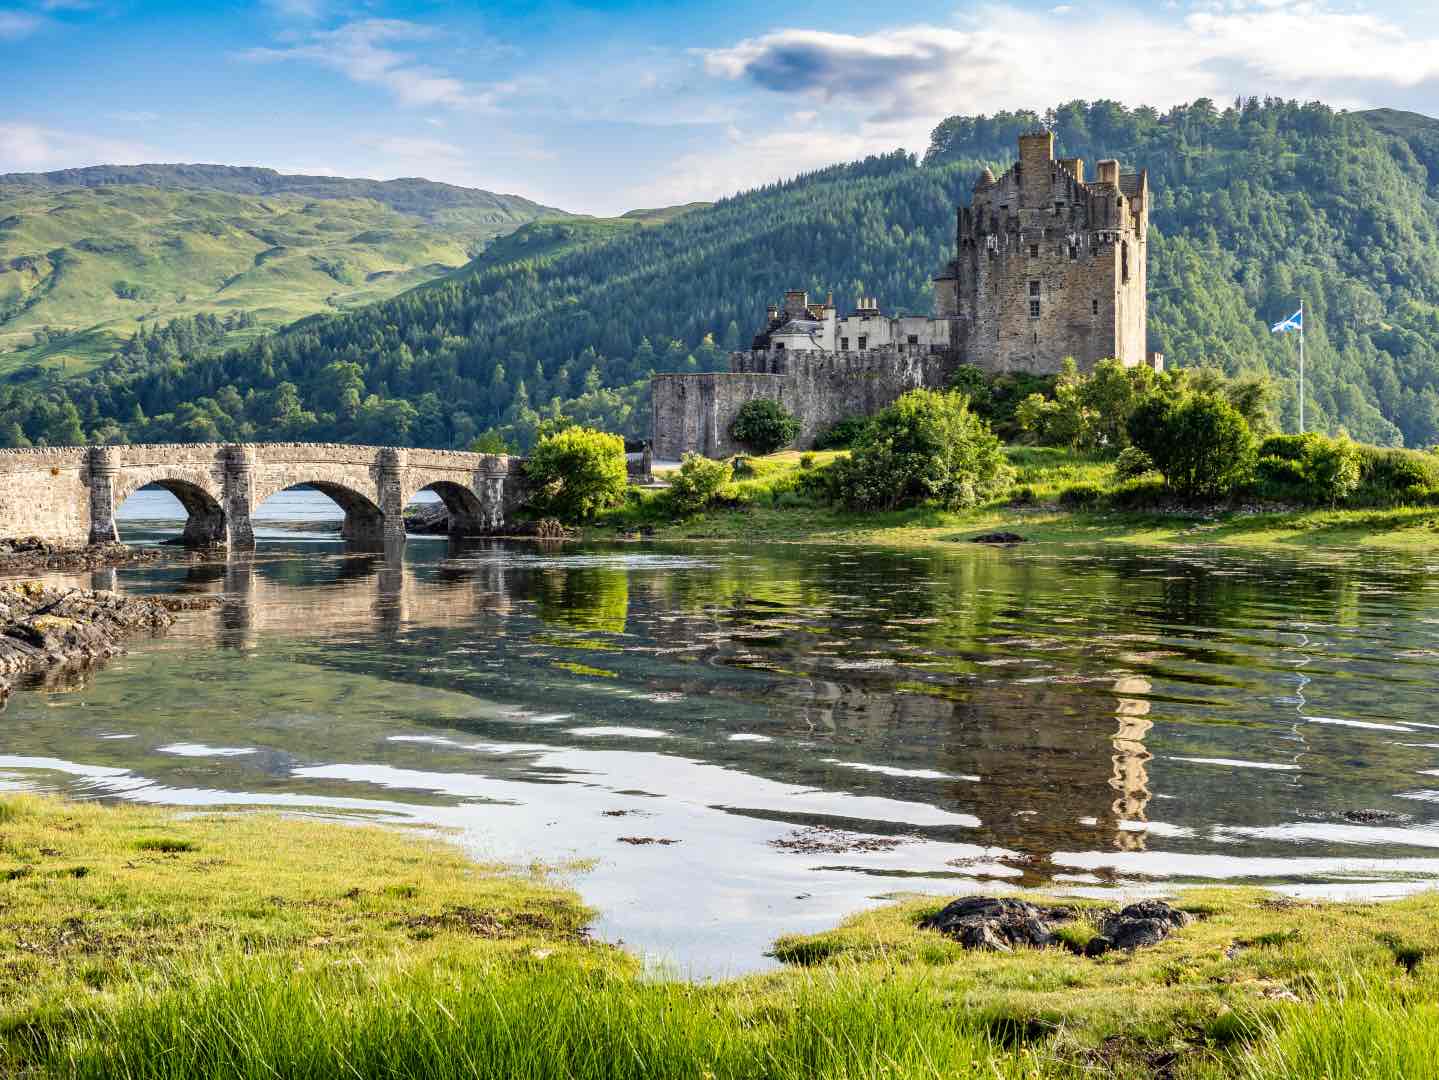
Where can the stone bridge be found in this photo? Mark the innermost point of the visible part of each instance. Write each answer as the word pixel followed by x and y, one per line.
pixel 70 494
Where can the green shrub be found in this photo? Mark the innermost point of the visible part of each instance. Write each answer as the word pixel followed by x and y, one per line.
pixel 1024 496
pixel 741 467
pixel 764 426
pixel 1200 444
pixel 1081 495
pixel 1132 463
pixel 926 447
pixel 576 473
pixel 843 434
pixel 693 489
pixel 1397 476
pixel 806 461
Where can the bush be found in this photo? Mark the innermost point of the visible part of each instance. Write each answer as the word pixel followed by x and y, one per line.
pixel 1200 444
pixel 806 461
pixel 764 426
pixel 694 488
pixel 576 473
pixel 1081 495
pixel 843 434
pixel 1132 463
pixel 926 447
pixel 741 467
pixel 1397 476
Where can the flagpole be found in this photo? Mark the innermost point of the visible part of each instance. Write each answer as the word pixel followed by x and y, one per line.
pixel 1301 365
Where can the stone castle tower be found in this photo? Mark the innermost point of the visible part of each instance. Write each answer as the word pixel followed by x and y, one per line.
pixel 1049 265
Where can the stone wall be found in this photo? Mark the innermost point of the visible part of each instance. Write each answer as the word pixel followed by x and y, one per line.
pixel 693 413
pixel 71 494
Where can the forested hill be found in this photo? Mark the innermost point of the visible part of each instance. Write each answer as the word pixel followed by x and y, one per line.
pixel 1255 207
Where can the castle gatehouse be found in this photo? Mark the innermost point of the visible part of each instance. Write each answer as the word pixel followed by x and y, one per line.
pixel 1048 265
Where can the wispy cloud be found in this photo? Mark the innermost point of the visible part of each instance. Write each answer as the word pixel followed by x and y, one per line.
pixel 987 62
pixel 31 148
pixel 365 52
pixel 18 24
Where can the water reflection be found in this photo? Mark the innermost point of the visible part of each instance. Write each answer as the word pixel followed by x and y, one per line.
pixel 1098 720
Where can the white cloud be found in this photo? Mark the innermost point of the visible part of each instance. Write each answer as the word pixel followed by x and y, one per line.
pixel 1004 57
pixel 17 24
pixel 364 52
pixel 30 148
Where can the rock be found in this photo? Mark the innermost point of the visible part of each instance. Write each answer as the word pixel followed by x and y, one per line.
pixel 1139 925
pixel 998 538
pixel 32 553
pixel 431 519
pixel 996 923
pixel 44 627
pixel 1373 817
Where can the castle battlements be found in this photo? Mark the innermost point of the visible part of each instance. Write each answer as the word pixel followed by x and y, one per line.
pixel 1048 266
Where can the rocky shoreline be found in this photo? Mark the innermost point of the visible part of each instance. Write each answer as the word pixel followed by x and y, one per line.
pixel 44 628
pixel 28 554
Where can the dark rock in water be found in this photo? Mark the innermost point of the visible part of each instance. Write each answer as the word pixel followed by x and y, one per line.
pixel 1374 817
pixel 43 627
pixel 1146 923
pixel 996 923
pixel 998 538
pixel 32 553
pixel 431 519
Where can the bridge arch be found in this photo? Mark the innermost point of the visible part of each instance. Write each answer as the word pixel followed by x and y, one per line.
pixel 197 492
pixel 468 514
pixel 364 520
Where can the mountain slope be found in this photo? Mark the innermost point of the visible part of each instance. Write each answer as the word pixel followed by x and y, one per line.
pixel 87 255
pixel 424 198
pixel 1255 207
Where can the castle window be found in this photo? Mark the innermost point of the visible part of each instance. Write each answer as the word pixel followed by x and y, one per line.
pixel 779 346
pixel 1034 251
pixel 1096 306
pixel 863 341
pixel 1034 288
pixel 914 339
pixel 1034 309
pixel 844 344
pixel 1073 252
pixel 1124 262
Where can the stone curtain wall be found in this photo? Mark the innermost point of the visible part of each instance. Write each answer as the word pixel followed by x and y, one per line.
pixel 693 413
pixel 71 494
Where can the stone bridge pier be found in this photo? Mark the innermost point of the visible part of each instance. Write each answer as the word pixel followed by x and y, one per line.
pixel 72 494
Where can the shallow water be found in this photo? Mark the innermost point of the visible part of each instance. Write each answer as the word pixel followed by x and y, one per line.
pixel 1094 720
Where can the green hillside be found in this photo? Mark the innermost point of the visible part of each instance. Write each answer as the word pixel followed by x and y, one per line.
pixel 87 256
pixel 1255 206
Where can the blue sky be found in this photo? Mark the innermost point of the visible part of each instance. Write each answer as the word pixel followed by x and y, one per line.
pixel 607 105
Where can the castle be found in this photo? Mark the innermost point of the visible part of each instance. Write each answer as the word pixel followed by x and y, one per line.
pixel 1047 266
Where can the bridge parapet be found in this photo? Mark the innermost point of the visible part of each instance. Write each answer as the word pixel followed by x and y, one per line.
pixel 71 494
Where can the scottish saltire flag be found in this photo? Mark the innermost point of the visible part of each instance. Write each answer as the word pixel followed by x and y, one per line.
pixel 1290 325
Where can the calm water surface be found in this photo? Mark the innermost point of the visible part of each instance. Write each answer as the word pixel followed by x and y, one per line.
pixel 1095 721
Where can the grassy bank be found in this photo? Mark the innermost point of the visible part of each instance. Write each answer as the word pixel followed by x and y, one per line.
pixel 142 944
pixel 772 504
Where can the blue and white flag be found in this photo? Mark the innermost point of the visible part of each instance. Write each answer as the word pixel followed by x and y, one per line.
pixel 1294 323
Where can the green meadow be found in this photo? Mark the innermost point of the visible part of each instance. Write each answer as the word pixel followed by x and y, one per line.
pixel 142 943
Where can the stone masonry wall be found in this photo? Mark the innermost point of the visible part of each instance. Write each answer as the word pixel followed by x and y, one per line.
pixel 71 494
pixel 693 413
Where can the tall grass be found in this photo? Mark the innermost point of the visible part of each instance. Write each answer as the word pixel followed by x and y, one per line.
pixel 1364 1031
pixel 547 1019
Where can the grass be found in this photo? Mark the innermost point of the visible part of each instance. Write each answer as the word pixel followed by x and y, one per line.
pixel 94 264
pixel 772 505
pixel 255 946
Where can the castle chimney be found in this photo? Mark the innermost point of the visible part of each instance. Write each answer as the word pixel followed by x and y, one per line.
pixel 1074 166
pixel 1036 155
pixel 1109 172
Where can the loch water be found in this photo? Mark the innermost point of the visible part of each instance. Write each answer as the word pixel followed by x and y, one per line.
pixel 815 728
